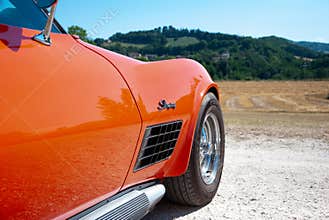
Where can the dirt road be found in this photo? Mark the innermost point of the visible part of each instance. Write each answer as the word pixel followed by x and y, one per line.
pixel 276 167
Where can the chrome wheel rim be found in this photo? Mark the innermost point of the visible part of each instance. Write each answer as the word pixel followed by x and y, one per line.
pixel 209 148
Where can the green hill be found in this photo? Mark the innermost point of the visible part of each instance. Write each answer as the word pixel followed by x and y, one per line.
pixel 320 47
pixel 225 56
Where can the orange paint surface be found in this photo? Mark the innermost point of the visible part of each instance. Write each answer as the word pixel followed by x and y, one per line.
pixel 72 119
pixel 68 126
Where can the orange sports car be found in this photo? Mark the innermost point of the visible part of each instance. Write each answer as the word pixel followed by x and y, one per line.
pixel 86 133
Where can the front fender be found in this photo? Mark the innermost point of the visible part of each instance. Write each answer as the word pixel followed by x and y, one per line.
pixel 181 81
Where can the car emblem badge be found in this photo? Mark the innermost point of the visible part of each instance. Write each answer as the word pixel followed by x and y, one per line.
pixel 163 105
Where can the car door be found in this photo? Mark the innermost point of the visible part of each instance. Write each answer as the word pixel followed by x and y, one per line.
pixel 68 126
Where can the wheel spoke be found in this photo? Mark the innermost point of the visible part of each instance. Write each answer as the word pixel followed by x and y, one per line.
pixel 209 148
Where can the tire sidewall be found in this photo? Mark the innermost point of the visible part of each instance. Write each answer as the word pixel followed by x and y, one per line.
pixel 209 104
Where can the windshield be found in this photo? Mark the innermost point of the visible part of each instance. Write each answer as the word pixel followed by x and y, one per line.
pixel 23 13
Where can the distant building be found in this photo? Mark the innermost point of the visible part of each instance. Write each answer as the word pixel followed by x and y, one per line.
pixel 226 55
pixel 223 56
pixel 135 55
pixel 304 59
pixel 151 56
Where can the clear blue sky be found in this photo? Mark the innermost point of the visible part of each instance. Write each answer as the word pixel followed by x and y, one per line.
pixel 293 19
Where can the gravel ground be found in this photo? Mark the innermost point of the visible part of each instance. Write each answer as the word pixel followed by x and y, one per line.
pixel 278 171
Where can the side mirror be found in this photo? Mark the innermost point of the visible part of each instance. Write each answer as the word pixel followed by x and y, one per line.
pixel 44 36
pixel 45 3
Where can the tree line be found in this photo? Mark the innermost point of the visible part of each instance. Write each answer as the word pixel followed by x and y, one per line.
pixel 224 56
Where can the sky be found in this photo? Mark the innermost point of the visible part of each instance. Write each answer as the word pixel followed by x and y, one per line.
pixel 299 20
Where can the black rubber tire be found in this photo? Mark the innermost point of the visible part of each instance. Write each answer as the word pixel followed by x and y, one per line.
pixel 189 189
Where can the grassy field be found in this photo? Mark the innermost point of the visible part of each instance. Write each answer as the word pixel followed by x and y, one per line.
pixel 182 42
pixel 275 96
pixel 281 109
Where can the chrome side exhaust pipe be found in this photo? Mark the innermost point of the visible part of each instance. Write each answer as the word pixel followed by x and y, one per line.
pixel 133 205
pixel 154 194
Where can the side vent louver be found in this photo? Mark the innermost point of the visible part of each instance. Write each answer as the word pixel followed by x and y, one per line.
pixel 158 143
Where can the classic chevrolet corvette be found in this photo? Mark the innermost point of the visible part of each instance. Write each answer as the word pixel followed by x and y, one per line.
pixel 86 133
